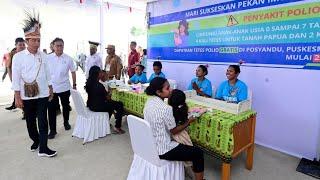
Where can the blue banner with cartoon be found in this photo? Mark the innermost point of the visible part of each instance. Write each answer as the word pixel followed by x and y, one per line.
pixel 272 33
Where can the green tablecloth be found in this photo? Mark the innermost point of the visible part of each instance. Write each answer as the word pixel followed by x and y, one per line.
pixel 213 130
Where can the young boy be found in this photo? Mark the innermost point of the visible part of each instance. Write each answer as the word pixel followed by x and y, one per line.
pixel 157 66
pixel 139 76
pixel 103 79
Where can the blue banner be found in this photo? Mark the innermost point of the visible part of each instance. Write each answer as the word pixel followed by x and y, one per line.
pixel 285 34
pixel 221 8
pixel 284 54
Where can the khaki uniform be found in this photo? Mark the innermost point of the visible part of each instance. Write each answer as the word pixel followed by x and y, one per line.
pixel 115 64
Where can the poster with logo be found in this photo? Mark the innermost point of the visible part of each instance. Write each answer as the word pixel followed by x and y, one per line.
pixel 267 33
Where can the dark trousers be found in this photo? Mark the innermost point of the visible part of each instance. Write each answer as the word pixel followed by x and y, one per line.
pixel 52 109
pixel 37 109
pixel 14 102
pixel 186 153
pixel 111 107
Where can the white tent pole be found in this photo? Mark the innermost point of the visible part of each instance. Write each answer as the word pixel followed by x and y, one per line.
pixel 102 40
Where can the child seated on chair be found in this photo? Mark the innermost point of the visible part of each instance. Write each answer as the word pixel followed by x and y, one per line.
pixel 180 113
pixel 157 67
pixel 139 76
pixel 103 79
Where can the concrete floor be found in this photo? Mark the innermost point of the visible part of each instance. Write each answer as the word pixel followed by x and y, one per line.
pixel 110 157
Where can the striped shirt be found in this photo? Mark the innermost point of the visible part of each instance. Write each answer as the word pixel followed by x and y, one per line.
pixel 160 117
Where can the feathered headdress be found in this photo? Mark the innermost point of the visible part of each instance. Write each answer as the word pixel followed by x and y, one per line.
pixel 31 25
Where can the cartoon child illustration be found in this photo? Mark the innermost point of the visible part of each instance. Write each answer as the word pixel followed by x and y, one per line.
pixel 181 34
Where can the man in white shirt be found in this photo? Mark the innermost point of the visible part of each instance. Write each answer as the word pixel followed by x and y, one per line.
pixel 60 64
pixel 94 59
pixel 32 85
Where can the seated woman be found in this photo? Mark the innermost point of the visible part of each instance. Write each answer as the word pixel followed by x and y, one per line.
pixel 233 90
pixel 139 76
pixel 99 101
pixel 157 66
pixel 163 125
pixel 201 84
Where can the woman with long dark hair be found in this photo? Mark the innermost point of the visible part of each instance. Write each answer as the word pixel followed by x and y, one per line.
pixel 163 125
pixel 98 99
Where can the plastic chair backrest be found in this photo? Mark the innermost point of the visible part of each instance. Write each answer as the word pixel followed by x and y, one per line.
pixel 78 102
pixel 142 140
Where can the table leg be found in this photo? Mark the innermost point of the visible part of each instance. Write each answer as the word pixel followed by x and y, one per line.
pixel 250 150
pixel 249 163
pixel 225 171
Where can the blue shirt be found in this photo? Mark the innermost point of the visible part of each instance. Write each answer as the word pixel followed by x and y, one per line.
pixel 153 75
pixel 139 78
pixel 205 86
pixel 184 39
pixel 234 94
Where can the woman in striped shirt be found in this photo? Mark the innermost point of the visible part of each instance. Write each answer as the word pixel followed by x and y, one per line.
pixel 163 125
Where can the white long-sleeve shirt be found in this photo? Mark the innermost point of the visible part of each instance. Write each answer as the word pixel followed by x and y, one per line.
pixel 93 60
pixel 59 69
pixel 160 116
pixel 25 66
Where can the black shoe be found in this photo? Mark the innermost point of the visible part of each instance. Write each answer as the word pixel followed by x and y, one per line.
pixel 67 126
pixel 70 108
pixel 47 153
pixel 10 108
pixel 52 135
pixel 34 147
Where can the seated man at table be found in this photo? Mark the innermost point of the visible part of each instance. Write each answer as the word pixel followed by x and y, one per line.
pixel 201 84
pixel 139 76
pixel 157 66
pixel 99 101
pixel 233 90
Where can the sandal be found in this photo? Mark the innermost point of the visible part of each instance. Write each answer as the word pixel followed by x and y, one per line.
pixel 119 130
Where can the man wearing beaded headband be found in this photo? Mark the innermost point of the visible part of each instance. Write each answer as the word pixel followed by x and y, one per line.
pixel 32 85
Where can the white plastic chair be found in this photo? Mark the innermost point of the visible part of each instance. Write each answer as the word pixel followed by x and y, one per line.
pixel 146 164
pixel 89 125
